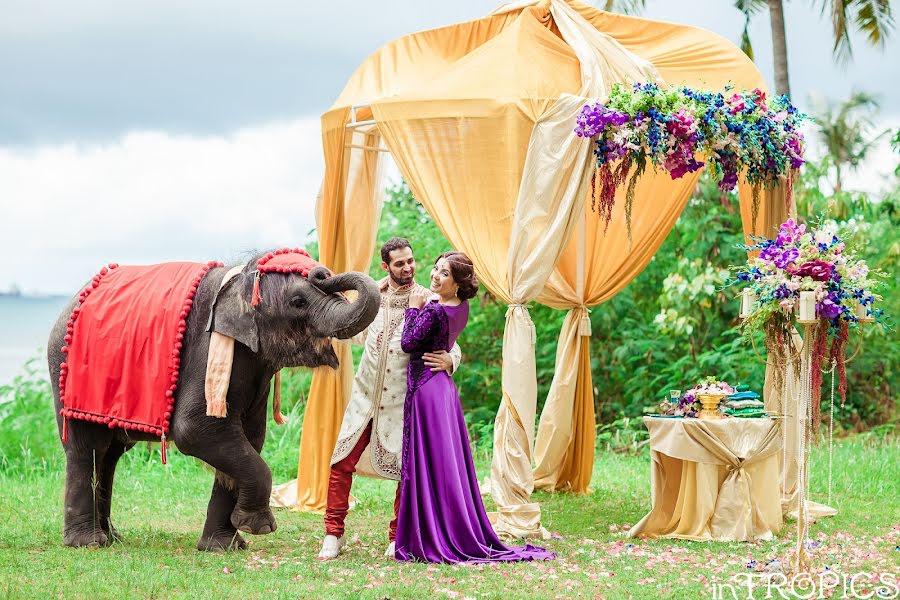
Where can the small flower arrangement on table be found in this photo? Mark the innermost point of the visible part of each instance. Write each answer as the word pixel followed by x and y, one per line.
pixel 810 276
pixel 673 128
pixel 689 405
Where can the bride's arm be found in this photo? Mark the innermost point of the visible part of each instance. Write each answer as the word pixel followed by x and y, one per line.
pixel 417 329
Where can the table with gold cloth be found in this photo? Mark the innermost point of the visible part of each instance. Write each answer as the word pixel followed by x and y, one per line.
pixel 716 479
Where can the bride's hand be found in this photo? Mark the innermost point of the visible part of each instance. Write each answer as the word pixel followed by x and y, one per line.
pixel 418 298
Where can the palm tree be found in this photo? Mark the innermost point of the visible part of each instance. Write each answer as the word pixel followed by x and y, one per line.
pixel 845 129
pixel 873 18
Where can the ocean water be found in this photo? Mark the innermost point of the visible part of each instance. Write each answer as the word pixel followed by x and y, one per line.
pixel 25 324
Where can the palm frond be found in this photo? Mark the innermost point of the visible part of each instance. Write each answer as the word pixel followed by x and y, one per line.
pixel 746 44
pixel 843 50
pixel 625 7
pixel 875 19
pixel 750 7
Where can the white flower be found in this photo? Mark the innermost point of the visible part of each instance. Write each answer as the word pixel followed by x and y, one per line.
pixel 823 236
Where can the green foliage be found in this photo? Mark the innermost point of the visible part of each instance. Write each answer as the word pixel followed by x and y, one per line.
pixel 29 439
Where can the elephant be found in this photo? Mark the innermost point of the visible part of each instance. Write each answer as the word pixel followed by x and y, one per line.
pixel 292 328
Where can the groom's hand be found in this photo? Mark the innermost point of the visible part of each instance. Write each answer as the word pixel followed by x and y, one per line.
pixel 438 361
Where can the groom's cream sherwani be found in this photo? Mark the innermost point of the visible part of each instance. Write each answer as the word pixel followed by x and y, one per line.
pixel 379 388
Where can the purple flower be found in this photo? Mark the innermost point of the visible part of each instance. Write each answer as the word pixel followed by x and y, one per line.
pixel 781 258
pixel 819 270
pixel 787 257
pixel 595 119
pixel 828 309
pixel 790 232
pixel 794 151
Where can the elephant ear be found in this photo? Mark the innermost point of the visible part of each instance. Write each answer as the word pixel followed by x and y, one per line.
pixel 233 317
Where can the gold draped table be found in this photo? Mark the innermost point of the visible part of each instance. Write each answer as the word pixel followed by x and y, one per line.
pixel 716 479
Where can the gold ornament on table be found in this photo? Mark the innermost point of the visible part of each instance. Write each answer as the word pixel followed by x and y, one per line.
pixel 710 403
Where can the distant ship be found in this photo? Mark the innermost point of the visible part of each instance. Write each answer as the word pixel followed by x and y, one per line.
pixel 12 292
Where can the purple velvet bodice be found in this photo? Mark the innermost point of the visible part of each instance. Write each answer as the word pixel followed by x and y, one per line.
pixel 431 328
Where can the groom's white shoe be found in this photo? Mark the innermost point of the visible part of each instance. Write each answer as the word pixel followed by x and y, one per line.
pixel 331 547
pixel 389 553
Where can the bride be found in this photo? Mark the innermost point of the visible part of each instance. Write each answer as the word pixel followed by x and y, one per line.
pixel 441 516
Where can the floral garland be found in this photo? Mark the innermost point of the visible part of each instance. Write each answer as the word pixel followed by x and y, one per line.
pixel 819 261
pixel 673 126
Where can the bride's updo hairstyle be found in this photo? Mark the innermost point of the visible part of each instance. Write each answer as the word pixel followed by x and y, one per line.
pixel 463 272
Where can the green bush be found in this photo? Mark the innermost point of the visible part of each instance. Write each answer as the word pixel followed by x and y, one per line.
pixel 29 438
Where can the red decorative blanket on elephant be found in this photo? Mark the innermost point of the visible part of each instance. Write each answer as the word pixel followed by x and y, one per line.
pixel 124 344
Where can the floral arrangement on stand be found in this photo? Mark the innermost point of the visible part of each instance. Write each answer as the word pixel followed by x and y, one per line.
pixel 671 127
pixel 689 405
pixel 808 275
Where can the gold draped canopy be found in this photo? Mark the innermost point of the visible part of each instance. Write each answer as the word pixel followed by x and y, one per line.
pixel 478 117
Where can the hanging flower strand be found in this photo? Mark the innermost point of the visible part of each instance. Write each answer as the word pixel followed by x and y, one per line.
pixel 671 127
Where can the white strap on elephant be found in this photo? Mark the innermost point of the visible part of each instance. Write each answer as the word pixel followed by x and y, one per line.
pixel 218 369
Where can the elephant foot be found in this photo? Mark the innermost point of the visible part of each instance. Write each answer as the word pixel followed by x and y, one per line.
pixel 258 522
pixel 222 542
pixel 86 538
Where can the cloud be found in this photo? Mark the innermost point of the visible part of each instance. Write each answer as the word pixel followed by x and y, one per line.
pixel 152 196
pixel 94 70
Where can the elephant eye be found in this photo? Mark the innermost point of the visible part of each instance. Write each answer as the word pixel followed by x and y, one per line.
pixel 298 301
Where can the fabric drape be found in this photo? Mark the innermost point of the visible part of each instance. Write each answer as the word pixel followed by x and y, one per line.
pixel 713 480
pixel 347 215
pixel 549 206
pixel 564 458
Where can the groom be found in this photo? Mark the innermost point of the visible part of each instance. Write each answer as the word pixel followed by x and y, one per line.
pixel 372 429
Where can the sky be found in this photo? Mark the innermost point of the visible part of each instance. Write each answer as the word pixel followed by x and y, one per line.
pixel 152 130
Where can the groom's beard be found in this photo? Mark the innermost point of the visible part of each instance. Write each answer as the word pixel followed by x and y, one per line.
pixel 401 281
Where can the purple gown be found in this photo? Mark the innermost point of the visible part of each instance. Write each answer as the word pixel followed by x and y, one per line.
pixel 441 516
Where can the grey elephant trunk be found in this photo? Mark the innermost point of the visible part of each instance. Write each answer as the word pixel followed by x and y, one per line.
pixel 354 316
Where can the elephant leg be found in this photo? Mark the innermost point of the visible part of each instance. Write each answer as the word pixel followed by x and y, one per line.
pixel 227 450
pixel 255 433
pixel 219 534
pixel 106 471
pixel 85 450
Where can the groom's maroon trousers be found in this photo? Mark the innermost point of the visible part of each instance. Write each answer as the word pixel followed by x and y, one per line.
pixel 339 483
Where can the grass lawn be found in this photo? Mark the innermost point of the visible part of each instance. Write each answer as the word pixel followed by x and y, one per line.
pixel 160 510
